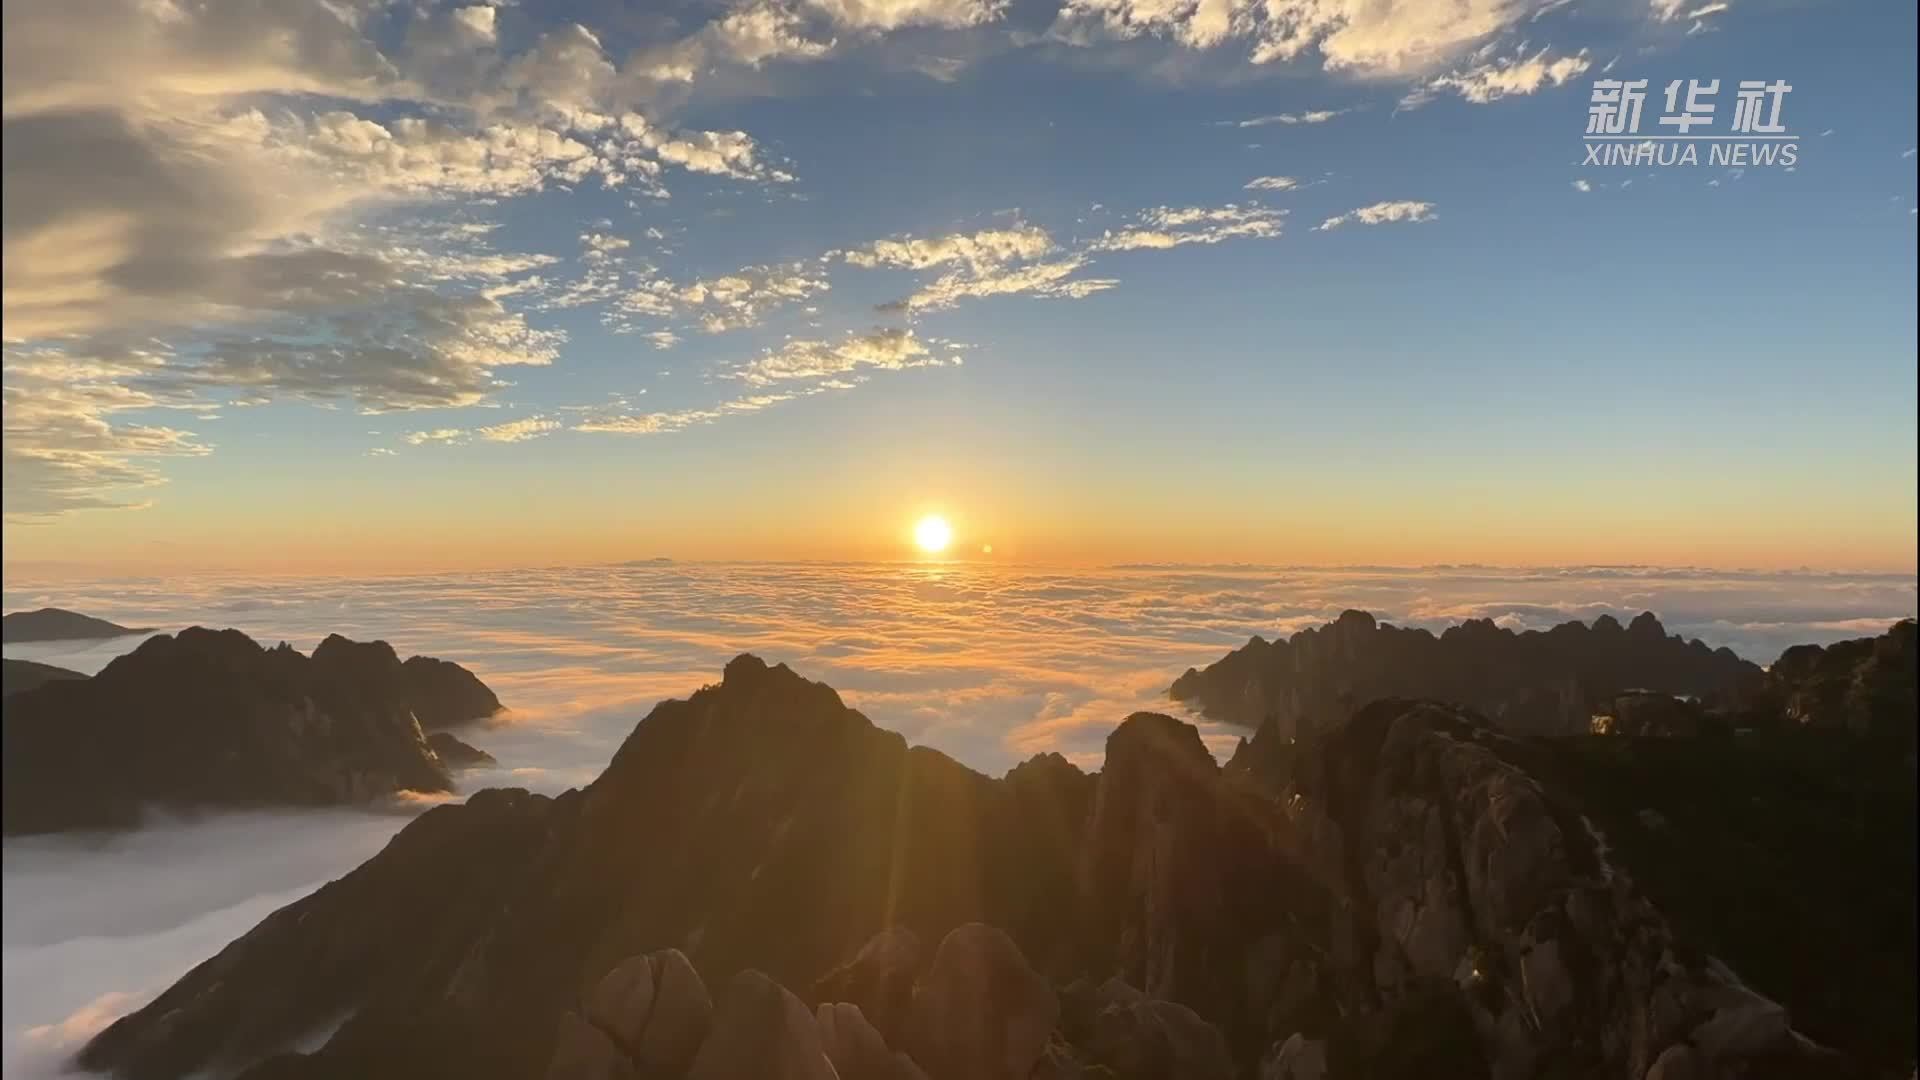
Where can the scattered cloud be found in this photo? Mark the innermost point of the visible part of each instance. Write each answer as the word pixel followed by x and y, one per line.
pixel 1582 186
pixel 1355 36
pixel 1381 213
pixel 1167 227
pixel 1493 78
pixel 733 301
pixel 1272 183
pixel 979 251
pixel 882 349
pixel 1311 116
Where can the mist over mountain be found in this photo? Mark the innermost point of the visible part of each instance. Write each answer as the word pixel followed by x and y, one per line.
pixel 1537 682
pixel 762 882
pixel 207 718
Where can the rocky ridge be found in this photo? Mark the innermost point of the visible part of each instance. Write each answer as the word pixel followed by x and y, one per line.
pixel 1536 682
pixel 1406 899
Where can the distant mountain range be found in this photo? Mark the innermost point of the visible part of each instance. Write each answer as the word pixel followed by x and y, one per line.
pixel 764 884
pixel 208 718
pixel 1536 682
pixel 57 624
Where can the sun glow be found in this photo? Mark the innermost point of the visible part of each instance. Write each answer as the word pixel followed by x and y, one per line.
pixel 933 534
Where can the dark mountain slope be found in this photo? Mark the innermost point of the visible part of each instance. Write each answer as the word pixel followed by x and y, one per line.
pixel 1408 900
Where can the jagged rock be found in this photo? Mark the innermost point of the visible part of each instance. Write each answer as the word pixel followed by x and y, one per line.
pixel 1419 892
pixel 1485 895
pixel 209 718
pixel 444 694
pixel 760 823
pixel 879 979
pixel 456 754
pixel 980 1012
pixel 582 1051
pixel 1550 682
pixel 1180 871
pixel 1298 1058
pixel 1145 1039
pixel 761 1030
pixel 1865 685
pixel 656 1007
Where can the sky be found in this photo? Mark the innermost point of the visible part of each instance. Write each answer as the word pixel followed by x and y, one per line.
pixel 366 287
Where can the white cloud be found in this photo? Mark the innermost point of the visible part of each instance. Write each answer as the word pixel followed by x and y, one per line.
pixel 513 431
pixel 1272 183
pixel 478 21
pixel 980 251
pixel 882 349
pixel 733 301
pixel 1503 76
pixel 1046 279
pixel 1405 37
pixel 64 449
pixel 1582 186
pixel 1312 116
pixel 894 14
pixel 1382 213
pixel 1167 227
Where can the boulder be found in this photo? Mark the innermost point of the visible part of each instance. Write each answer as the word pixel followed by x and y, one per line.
pixel 582 1051
pixel 762 1031
pixel 879 979
pixel 980 1012
pixel 1298 1058
pixel 1145 1039
pixel 856 1048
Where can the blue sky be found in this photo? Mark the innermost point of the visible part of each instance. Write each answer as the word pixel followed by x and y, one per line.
pixel 304 334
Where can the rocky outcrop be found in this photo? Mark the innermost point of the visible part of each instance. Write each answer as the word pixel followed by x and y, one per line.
pixel 1865 686
pixel 458 755
pixel 443 694
pixel 760 824
pixel 208 718
pixel 1544 683
pixel 980 1012
pixel 18 675
pixel 1413 895
pixel 1481 904
pixel 57 624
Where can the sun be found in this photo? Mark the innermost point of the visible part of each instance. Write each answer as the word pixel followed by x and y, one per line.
pixel 933 534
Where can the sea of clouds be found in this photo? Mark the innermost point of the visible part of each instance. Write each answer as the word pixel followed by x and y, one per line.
pixel 990 664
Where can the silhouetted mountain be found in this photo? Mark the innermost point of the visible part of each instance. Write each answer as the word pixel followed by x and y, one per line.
pixel 456 754
pixel 1865 685
pixel 56 624
pixel 26 674
pixel 444 694
pixel 1548 683
pixel 209 718
pixel 1407 899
